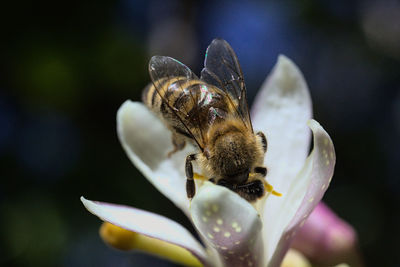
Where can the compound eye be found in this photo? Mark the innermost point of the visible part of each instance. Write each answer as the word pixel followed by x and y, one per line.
pixel 263 141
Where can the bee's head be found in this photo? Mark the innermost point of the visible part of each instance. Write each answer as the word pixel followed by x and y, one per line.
pixel 233 157
pixel 238 178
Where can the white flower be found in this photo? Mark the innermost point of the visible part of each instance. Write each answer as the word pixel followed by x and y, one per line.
pixel 233 231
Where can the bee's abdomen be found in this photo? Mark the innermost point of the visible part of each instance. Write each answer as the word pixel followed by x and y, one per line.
pixel 151 97
pixel 170 94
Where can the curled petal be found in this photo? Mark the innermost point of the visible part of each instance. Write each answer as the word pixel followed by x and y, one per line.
pixel 229 224
pixel 148 224
pixel 147 142
pixel 304 194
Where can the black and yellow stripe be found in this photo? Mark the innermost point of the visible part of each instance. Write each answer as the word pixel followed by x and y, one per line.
pixel 188 107
pixel 170 91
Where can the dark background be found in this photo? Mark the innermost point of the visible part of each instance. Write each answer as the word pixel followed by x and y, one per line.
pixel 67 66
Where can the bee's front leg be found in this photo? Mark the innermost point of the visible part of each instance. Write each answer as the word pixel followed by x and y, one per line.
pixel 190 185
pixel 268 187
pixel 261 170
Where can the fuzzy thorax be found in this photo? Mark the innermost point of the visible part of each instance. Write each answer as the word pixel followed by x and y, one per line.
pixel 233 151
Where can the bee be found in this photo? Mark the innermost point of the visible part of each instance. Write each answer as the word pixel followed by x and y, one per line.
pixel 211 113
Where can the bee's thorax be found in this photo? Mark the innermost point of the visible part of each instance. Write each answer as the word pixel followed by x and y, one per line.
pixel 233 151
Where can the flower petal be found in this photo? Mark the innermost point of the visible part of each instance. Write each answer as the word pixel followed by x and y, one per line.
pixel 229 224
pixel 303 195
pixel 281 110
pixel 294 258
pixel 148 224
pixel 147 142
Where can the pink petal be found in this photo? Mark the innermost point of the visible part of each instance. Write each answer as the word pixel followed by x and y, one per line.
pixel 318 170
pixel 326 239
pixel 229 224
pixel 147 223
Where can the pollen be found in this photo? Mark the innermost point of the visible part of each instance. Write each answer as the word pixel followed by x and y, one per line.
pixel 220 221
pixel 237 242
pixel 238 229
pixel 216 229
pixel 311 199
pixel 210 236
pixel 327 162
pixel 227 234
pixel 234 225
pixel 204 218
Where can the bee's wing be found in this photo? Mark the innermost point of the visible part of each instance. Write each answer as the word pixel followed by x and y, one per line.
pixel 162 69
pixel 222 69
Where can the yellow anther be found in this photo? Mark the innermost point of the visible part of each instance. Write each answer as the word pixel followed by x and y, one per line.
pixel 270 189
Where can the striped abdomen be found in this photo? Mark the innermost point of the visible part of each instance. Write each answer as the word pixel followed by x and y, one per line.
pixel 180 101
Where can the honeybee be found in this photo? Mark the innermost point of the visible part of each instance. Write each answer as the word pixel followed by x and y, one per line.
pixel 212 113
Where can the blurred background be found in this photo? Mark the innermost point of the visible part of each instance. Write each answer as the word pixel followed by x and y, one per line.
pixel 67 66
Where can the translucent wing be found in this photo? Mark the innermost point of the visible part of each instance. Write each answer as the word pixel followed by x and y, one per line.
pixel 222 69
pixel 163 69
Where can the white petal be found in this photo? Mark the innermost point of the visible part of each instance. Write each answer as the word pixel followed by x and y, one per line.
pixel 281 110
pixel 302 197
pixel 229 224
pixel 146 223
pixel 147 142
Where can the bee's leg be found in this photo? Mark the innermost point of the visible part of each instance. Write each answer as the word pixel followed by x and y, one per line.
pixel 190 185
pixel 269 188
pixel 263 140
pixel 178 142
pixel 261 170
